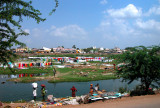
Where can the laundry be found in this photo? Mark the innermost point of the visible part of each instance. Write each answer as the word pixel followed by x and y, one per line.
pixel 100 95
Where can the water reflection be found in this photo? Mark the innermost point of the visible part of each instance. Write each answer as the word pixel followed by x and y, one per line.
pixel 21 75
pixel 3 76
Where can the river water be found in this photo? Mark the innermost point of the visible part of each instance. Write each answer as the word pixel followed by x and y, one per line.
pixel 11 91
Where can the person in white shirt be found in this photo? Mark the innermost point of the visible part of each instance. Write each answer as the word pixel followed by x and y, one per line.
pixel 34 93
pixel 97 87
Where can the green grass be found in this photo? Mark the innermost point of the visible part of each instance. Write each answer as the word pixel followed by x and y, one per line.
pixel 82 79
pixel 73 75
pixel 29 70
pixel 94 61
pixel 25 79
pixel 64 70
pixel 63 74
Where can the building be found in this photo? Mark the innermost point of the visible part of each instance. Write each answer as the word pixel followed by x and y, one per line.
pixel 21 49
pixel 117 50
pixel 107 50
pixel 44 50
pixel 101 49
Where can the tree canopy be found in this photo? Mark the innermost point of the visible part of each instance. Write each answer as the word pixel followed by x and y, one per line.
pixel 12 13
pixel 74 46
pixel 141 64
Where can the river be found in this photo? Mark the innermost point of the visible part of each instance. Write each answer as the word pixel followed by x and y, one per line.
pixel 11 91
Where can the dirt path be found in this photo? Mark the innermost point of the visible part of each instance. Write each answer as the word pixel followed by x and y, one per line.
pixel 149 101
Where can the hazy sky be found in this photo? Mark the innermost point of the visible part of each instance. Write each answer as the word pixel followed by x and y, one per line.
pixel 100 23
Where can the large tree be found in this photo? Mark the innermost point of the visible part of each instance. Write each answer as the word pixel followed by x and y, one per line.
pixel 12 13
pixel 141 64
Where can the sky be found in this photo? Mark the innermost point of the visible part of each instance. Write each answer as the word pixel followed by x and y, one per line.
pixel 100 23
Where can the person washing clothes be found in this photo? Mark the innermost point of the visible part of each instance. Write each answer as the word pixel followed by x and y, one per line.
pixel 91 89
pixel 74 90
pixel 43 91
pixel 97 87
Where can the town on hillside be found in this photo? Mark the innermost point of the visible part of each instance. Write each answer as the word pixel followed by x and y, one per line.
pixel 91 50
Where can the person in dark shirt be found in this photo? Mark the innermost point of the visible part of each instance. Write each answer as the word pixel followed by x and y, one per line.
pixel 74 90
pixel 54 72
pixel 43 91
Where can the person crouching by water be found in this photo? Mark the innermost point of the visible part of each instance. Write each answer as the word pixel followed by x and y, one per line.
pixel 96 87
pixel 74 90
pixel 43 91
pixel 91 89
pixel 34 94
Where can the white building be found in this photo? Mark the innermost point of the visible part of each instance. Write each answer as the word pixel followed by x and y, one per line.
pixel 101 49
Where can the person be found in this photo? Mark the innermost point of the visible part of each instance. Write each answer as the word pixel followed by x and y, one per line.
pixel 74 90
pixel 97 87
pixel 43 91
pixel 1 104
pixel 91 89
pixel 54 72
pixel 34 93
pixel 35 85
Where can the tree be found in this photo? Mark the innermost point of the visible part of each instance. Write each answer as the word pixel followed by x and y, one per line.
pixel 143 64
pixel 74 46
pixel 52 50
pixel 130 48
pixel 12 13
pixel 87 50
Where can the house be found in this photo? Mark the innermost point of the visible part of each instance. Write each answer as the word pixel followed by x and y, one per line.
pixel 34 50
pixel 21 49
pixel 117 50
pixel 101 49
pixel 107 50
pixel 44 50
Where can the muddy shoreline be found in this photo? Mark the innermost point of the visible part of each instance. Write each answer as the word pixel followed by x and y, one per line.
pixel 147 101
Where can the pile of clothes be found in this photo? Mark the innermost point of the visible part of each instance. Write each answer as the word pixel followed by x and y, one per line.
pixel 101 95
pixel 67 101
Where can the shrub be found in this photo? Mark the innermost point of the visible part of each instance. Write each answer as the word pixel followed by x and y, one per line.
pixel 122 89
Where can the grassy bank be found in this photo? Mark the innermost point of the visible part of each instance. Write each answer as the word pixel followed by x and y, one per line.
pixel 63 75
pixel 82 75
pixel 30 70
pixel 82 79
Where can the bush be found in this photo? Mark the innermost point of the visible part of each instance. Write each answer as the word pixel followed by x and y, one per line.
pixel 140 90
pixel 122 89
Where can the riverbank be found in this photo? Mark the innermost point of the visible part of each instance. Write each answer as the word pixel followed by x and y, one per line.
pixel 27 70
pixel 72 73
pixel 147 101
pixel 75 69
